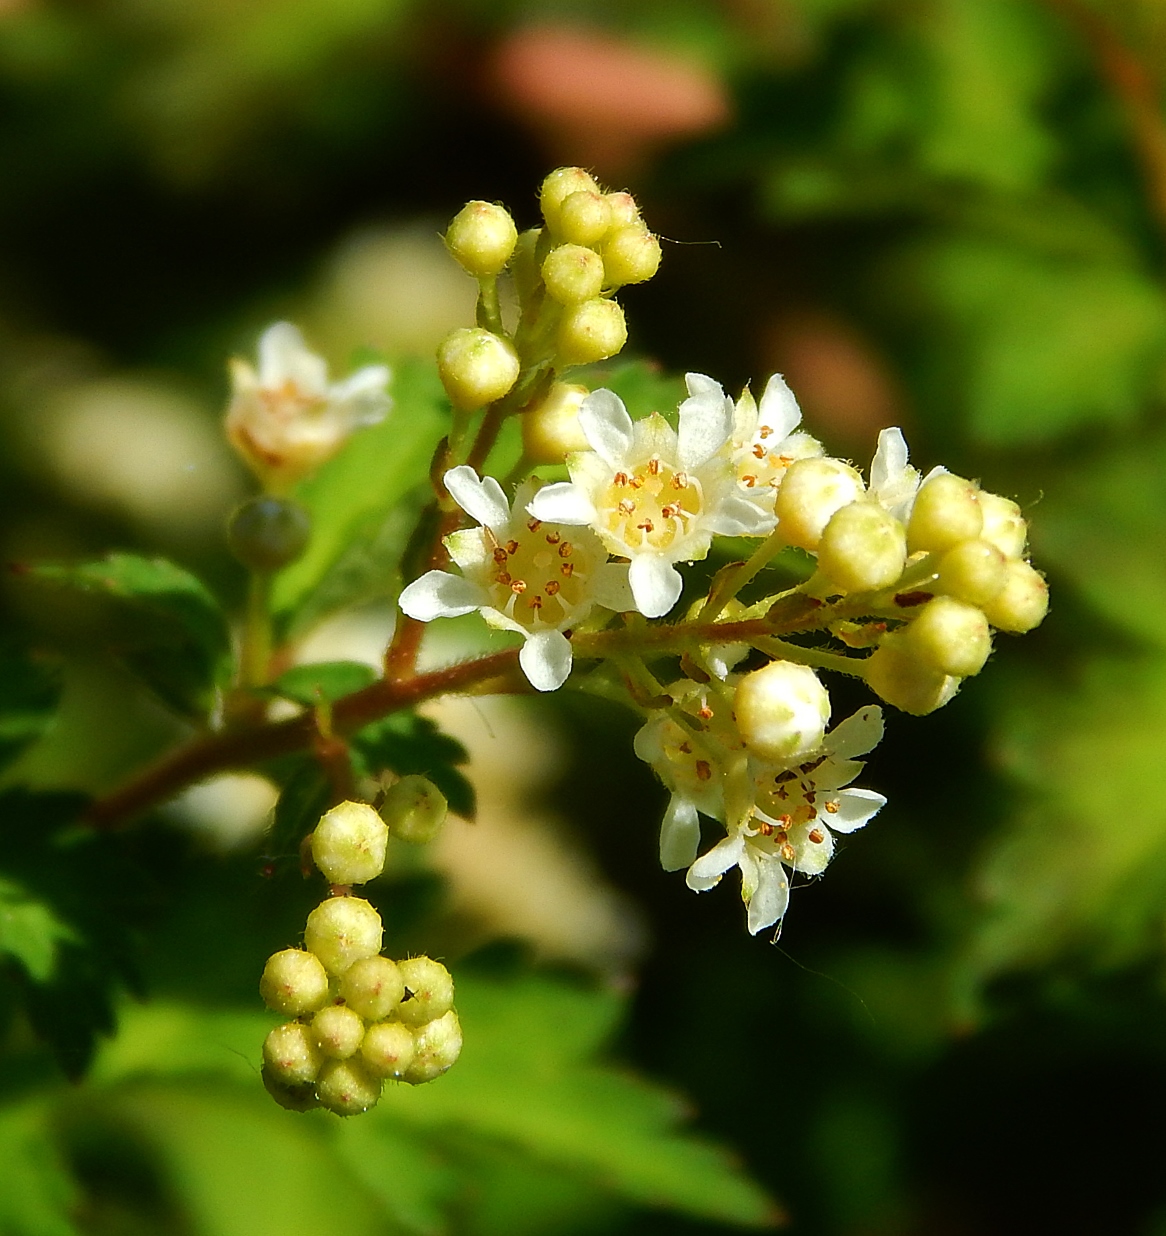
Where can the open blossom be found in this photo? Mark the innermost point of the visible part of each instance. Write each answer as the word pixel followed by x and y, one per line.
pixel 654 495
pixel 521 573
pixel 286 419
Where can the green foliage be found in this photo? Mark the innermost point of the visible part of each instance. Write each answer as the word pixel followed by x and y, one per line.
pixel 39 1195
pixel 323 682
pixel 408 743
pixel 30 688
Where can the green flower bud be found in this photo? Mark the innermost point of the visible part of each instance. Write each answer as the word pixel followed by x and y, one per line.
pixel 950 636
pixel 573 274
pixel 631 254
pixel 294 1098
pixel 294 982
pixel 267 534
pixel 476 367
pixel 347 1088
pixel 481 238
pixel 291 1054
pixel 436 1048
pixel 559 186
pixel 623 209
pixel 584 217
pixel 973 571
pixel 591 332
pixel 1023 601
pixel 372 987
pixel 343 930
pixel 428 990
pixel 551 430
pixel 387 1050
pixel 946 512
pixel 338 1030
pixel 349 844
pixel 863 547
pixel 414 809
pixel 900 678
pixel 809 494
pixel 1004 525
pixel 781 711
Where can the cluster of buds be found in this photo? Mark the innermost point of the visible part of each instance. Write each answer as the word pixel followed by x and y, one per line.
pixel 357 1017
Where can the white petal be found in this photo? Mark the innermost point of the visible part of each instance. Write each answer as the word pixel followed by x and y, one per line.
pixel 611 588
pixel 735 516
pixel 768 904
pixel 438 594
pixel 889 459
pixel 648 743
pixel 721 658
pixel 562 503
pixel 481 499
pixel 813 857
pixel 698 384
pixel 858 734
pixel 656 584
pixel 284 357
pixel 833 773
pixel 364 394
pixel 855 808
pixel 706 420
pixel 468 548
pixel 503 622
pixel 546 660
pixel 706 872
pixel 679 834
pixel 779 409
pixel 606 425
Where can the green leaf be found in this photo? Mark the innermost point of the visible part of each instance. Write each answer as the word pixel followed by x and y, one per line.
pixel 407 743
pixel 323 682
pixel 30 689
pixel 30 931
pixel 644 387
pixel 305 796
pixel 38 1194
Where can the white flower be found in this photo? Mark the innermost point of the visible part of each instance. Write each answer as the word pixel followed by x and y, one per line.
pixel 286 419
pixel 521 573
pixel 654 495
pixel 893 482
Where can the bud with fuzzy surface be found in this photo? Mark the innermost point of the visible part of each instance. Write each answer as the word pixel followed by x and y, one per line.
pixel 631 254
pixel 388 1049
pixel 338 1030
pixel 863 547
pixel 946 512
pixel 292 1055
pixel 557 187
pixel 349 844
pixel 572 273
pixel 414 809
pixel 973 571
pixel 347 1088
pixel 1022 603
pixel 481 238
pixel 781 711
pixel 476 367
pixel 294 982
pixel 895 674
pixel 811 491
pixel 372 987
pixel 343 930
pixel 428 991
pixel 591 331
pixel 436 1047
pixel 950 636
pixel 551 430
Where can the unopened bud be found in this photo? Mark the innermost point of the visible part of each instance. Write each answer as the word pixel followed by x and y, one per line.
pixel 863 547
pixel 414 809
pixel 428 990
pixel 950 636
pixel 573 274
pixel 343 930
pixel 584 217
pixel 347 1088
pixel 631 254
pixel 591 332
pixel 781 711
pixel 973 571
pixel 623 209
pixel 946 511
pixel 481 238
pixel 349 844
pixel 294 982
pixel 292 1055
pixel 1004 525
pixel 372 987
pixel 436 1048
pixel 338 1030
pixel 551 430
pixel 301 1098
pixel 387 1050
pixel 896 675
pixel 1022 603
pixel 476 367
pixel 559 186
pixel 809 494
pixel 267 534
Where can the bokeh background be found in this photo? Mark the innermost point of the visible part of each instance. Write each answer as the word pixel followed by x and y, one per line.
pixel 944 214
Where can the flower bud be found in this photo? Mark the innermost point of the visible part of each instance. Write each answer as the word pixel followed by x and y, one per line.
pixel 862 547
pixel 1004 525
pixel 631 254
pixel 1023 601
pixel 973 571
pixel 347 1088
pixel 294 982
pixel 559 186
pixel 573 274
pixel 584 217
pixel 896 675
pixel 372 987
pixel 946 511
pixel 591 331
pixel 476 367
pixel 349 844
pixel 266 534
pixel 387 1050
pixel 551 430
pixel 950 636
pixel 481 238
pixel 809 494
pixel 623 209
pixel 343 930
pixel 781 711
pixel 428 990
pixel 436 1048
pixel 300 1098
pixel 338 1030
pixel 291 1054
pixel 414 809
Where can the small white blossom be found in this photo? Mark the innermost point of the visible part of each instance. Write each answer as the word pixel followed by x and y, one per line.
pixel 893 482
pixel 522 574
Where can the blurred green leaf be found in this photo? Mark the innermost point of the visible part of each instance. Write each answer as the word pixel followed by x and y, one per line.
pixel 407 743
pixel 305 795
pixel 30 931
pixel 37 1194
pixel 30 688
pixel 323 682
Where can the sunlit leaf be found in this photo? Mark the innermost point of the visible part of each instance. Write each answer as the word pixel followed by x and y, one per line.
pixel 37 1194
pixel 323 682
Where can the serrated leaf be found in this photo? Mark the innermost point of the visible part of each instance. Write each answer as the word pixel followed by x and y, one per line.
pixel 37 1195
pixel 30 688
pixel 407 743
pixel 323 682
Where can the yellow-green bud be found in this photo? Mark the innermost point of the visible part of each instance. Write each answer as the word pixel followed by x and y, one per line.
pixel 591 332
pixel 481 238
pixel 1004 525
pixel 338 1030
pixel 372 987
pixel 551 430
pixel 862 547
pixel 900 678
pixel 293 982
pixel 300 1098
pixel 428 990
pixel 343 930
pixel 349 844
pixel 347 1088
pixel 292 1055
pixel 809 494
pixel 1023 601
pixel 414 809
pixel 623 209
pixel 559 186
pixel 950 636
pixel 436 1048
pixel 573 274
pixel 946 511
pixel 584 217
pixel 631 254
pixel 781 711
pixel 476 366
pixel 387 1050
pixel 974 571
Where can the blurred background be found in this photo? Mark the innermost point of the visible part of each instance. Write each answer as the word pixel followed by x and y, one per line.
pixel 944 214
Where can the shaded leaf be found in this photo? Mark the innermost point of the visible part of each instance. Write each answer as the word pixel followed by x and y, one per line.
pixel 30 932
pixel 407 743
pixel 30 688
pixel 323 682
pixel 305 795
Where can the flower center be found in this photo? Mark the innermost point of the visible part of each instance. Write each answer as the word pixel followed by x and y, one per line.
pixel 763 462
pixel 651 507
pixel 539 577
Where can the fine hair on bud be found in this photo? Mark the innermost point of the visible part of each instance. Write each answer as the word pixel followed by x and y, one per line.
pixel 591 331
pixel 1022 603
pixel 343 930
pixel 347 1087
pixel 809 494
pixel 950 636
pixel 631 254
pixel 372 987
pixel 349 844
pixel 551 429
pixel 781 711
pixel 338 1030
pixel 476 367
pixel 294 982
pixel 623 209
pixel 267 533
pixel 584 217
pixel 481 238
pixel 572 274
pixel 387 1049
pixel 414 809
pixel 946 512
pixel 973 571
pixel 863 547
pixel 301 1098
pixel 436 1048
pixel 428 990
pixel 895 674
pixel 292 1055
pixel 1004 525
pixel 557 187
